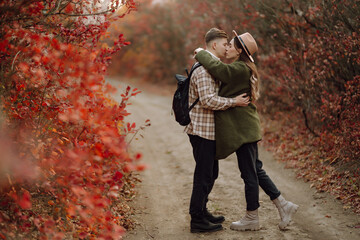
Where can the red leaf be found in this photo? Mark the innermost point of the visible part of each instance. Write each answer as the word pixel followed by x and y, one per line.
pixel 4 45
pixel 83 235
pixel 25 200
pixel 55 44
pixel 118 176
pixel 45 60
pixel 141 167
pixel 69 8
pixel 138 156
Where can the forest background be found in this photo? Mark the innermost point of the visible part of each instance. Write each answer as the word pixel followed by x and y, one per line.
pixel 309 60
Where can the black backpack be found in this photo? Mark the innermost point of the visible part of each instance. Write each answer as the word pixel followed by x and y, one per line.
pixel 180 103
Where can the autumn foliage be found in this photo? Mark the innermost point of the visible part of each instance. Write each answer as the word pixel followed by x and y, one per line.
pixel 312 72
pixel 65 169
pixel 309 60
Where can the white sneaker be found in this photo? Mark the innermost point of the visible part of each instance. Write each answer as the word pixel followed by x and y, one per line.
pixel 249 222
pixel 286 211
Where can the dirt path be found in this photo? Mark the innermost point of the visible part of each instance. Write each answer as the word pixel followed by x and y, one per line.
pixel 163 197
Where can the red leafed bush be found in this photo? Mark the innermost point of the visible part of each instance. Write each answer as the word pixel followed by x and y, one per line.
pixel 315 70
pixel 311 71
pixel 65 171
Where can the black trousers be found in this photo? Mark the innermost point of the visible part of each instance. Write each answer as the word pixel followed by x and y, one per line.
pixel 253 175
pixel 205 174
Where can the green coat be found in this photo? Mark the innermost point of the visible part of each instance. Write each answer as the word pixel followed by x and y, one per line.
pixel 234 126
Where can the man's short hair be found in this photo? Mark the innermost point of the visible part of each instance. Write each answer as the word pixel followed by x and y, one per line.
pixel 214 33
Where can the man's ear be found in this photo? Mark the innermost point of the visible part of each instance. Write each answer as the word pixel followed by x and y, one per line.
pixel 213 45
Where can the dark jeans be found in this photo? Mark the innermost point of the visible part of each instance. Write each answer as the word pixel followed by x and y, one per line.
pixel 205 174
pixel 253 175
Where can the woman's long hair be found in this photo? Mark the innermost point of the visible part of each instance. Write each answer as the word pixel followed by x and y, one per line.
pixel 254 79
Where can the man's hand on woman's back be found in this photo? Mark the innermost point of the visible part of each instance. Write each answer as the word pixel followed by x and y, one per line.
pixel 242 100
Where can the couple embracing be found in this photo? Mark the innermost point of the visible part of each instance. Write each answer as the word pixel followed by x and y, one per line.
pixel 226 112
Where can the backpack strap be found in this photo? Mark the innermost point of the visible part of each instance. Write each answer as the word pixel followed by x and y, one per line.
pixel 194 103
pixel 195 66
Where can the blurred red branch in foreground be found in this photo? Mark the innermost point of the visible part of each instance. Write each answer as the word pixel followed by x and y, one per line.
pixel 65 171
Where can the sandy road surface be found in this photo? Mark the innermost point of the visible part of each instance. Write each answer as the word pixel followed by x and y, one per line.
pixel 163 197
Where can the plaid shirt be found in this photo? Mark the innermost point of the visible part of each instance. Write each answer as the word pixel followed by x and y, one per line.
pixel 206 88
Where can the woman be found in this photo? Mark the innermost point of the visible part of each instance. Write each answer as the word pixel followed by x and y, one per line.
pixel 238 129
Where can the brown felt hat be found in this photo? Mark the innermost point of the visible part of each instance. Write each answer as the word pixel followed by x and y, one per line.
pixel 248 43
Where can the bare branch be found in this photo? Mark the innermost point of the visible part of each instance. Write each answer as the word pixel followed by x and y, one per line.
pixel 307 124
pixel 82 15
pixel 12 65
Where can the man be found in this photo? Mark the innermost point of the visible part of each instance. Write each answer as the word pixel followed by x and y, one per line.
pixel 201 133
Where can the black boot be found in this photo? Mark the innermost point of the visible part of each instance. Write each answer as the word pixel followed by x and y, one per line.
pixel 201 224
pixel 212 218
